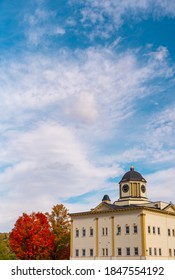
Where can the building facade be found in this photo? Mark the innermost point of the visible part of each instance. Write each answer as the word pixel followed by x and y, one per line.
pixel 130 228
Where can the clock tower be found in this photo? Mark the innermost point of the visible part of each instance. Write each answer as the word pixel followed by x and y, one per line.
pixel 132 188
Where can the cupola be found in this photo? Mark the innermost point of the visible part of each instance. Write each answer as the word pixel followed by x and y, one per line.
pixel 132 186
pixel 106 199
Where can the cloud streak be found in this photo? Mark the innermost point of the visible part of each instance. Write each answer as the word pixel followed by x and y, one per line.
pixel 116 13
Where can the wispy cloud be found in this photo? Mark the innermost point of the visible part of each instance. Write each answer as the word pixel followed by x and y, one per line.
pixel 78 105
pixel 160 185
pixel 46 164
pixel 78 85
pixel 38 26
pixel 160 54
pixel 53 105
pixel 108 16
pixel 162 129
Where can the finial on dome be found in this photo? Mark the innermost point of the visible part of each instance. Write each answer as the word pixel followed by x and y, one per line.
pixel 131 168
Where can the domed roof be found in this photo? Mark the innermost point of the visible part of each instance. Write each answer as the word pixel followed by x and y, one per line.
pixel 106 198
pixel 132 175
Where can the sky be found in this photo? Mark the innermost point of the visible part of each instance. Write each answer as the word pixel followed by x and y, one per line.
pixel 87 89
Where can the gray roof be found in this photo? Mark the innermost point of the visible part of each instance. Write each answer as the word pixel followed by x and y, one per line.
pixel 106 197
pixel 132 175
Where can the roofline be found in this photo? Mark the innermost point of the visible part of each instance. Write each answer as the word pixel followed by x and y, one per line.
pixel 102 212
pixel 131 208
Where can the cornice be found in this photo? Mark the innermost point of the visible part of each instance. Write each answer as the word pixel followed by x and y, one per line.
pixel 119 210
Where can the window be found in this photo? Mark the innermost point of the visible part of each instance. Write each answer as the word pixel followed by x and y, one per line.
pixel 149 229
pixel 158 230
pixel 91 232
pixel 170 253
pixel 169 232
pixel 155 251
pixel 118 230
pixel 83 232
pixel 173 232
pixel 127 229
pixel 154 230
pixel 119 251
pixel 174 252
pixel 104 231
pixel 128 251
pixel 160 251
pixel 156 205
pixel 91 252
pixel 77 232
pixel 150 251
pixel 136 251
pixel 83 252
pixel 135 229
pixel 76 252
pixel 105 251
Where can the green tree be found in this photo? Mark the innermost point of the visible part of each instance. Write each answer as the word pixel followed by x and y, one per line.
pixel 5 250
pixel 60 223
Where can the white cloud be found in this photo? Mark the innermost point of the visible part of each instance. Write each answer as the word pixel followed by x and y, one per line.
pixel 91 78
pixel 38 26
pixel 115 12
pixel 159 56
pixel 161 53
pixel 162 127
pixel 129 155
pixel 46 165
pixel 58 31
pixel 155 145
pixel 83 108
pixel 96 87
pixel 159 186
pixel 54 111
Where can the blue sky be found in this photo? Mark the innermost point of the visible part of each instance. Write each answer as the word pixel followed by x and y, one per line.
pixel 87 89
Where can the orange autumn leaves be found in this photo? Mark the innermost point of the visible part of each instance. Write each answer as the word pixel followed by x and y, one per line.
pixel 42 237
pixel 60 224
pixel 32 238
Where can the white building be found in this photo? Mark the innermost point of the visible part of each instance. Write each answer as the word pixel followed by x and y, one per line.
pixel 130 228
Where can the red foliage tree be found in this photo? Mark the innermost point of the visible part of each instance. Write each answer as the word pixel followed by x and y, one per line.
pixel 32 238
